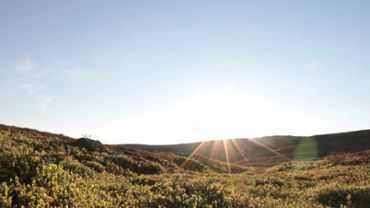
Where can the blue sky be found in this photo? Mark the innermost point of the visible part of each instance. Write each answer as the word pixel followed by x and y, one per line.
pixel 180 71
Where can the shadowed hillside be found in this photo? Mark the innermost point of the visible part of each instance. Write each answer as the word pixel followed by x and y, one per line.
pixel 270 150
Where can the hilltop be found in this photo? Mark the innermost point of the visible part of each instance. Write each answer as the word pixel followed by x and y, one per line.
pixel 41 169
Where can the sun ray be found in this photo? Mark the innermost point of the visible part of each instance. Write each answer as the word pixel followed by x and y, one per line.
pixel 271 150
pixel 227 156
pixel 245 158
pixel 192 154
pixel 215 148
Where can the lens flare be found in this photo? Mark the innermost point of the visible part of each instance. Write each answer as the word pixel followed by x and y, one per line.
pixel 231 151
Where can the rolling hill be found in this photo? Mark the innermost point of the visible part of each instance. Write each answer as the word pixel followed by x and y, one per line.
pixel 270 150
pixel 41 169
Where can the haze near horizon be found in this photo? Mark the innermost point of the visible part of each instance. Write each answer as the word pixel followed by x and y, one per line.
pixel 162 72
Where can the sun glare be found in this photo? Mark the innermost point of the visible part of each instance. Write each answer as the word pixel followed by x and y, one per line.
pixel 218 113
pixel 229 150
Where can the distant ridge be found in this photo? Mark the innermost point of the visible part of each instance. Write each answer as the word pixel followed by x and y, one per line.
pixel 270 150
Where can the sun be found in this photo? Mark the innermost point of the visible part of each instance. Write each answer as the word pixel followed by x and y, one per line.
pixel 221 113
pixel 212 113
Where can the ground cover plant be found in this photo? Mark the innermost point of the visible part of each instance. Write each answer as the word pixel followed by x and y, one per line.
pixel 39 169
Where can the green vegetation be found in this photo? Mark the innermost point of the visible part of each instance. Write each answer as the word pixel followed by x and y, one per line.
pixel 39 169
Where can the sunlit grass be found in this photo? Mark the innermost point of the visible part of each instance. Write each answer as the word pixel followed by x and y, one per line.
pixel 44 170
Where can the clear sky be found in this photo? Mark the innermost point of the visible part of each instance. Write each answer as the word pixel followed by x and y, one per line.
pixel 180 71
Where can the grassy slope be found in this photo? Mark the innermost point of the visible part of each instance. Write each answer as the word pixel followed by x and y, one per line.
pixel 43 169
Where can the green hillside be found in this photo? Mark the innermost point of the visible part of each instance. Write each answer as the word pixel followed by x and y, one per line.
pixel 40 169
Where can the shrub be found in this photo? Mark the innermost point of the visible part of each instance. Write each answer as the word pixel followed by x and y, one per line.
pixel 358 197
pixel 336 159
pixel 89 144
pixel 5 198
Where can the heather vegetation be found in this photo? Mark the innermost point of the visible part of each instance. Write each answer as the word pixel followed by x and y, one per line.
pixel 39 169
